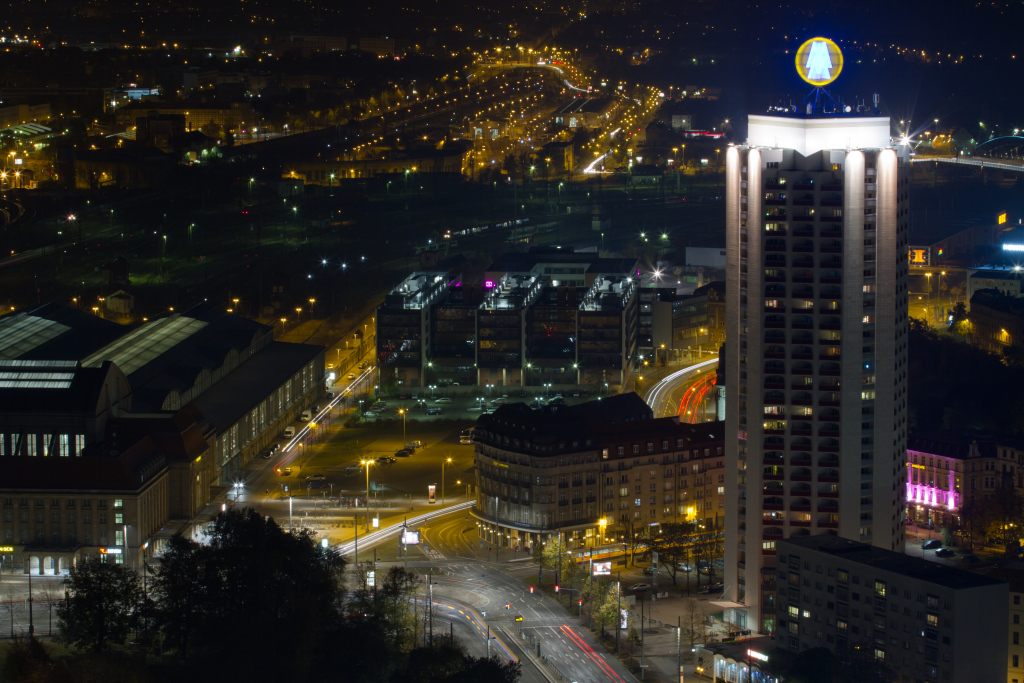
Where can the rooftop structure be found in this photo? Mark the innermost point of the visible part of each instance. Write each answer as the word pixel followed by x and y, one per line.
pixel 54 332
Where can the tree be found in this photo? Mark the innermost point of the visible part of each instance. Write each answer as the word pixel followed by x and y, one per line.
pixel 101 603
pixel 632 533
pixel 673 546
pixel 1006 514
pixel 252 573
pixel 707 548
pixel 694 623
pixel 606 601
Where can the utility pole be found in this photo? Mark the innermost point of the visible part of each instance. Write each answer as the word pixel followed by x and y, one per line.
pixel 679 644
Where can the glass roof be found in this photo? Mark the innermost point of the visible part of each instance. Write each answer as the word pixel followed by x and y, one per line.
pixel 136 349
pixel 23 332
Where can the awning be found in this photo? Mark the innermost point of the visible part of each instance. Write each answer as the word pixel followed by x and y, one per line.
pixel 728 604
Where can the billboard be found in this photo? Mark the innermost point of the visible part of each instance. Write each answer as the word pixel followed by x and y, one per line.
pixel 430 492
pixel 602 569
pixel 623 618
pixel 371 578
pixel 410 537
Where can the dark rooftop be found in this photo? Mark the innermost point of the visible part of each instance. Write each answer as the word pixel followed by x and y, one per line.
pixel 952 444
pixel 53 332
pixel 228 400
pixel 39 386
pixel 168 355
pixel 887 560
pixel 998 274
pixel 997 301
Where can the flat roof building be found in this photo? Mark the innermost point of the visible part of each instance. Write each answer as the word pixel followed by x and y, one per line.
pixel 924 620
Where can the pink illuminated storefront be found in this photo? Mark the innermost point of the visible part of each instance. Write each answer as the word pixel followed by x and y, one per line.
pixel 933 488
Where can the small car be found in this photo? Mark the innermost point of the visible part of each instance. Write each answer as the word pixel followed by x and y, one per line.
pixel 442 400
pixel 649 571
pixel 289 432
pixel 972 558
pixel 316 477
pixel 351 376
pixel 933 544
pixel 434 411
pixel 641 587
pixel 413 445
pixel 369 415
pixel 403 453
pixel 944 552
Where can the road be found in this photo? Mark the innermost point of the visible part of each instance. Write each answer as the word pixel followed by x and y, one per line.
pixel 666 395
pixel 467 577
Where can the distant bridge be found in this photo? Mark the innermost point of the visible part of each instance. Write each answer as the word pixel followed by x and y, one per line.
pixel 983 162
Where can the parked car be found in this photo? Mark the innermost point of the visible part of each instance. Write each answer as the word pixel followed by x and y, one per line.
pixel 266 453
pixel 351 469
pixel 972 558
pixel 944 552
pixel 557 401
pixel 386 460
pixel 351 376
pixel 364 365
pixel 369 415
pixel 499 401
pixel 289 432
pixel 443 399
pixel 434 411
pixel 641 587
pixel 307 415
pixel 933 544
pixel 415 397
pixel 413 445
pixel 403 453
pixel 316 477
pixel 475 409
pixel 649 571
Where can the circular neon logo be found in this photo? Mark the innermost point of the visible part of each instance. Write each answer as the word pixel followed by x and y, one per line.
pixel 819 61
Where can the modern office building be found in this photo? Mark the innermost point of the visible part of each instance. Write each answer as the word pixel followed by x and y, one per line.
pixel 594 472
pixel 1014 575
pixel 548 318
pixel 924 620
pixel 816 291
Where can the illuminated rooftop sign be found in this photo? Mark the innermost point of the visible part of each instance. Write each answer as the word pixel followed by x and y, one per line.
pixel 819 61
pixel 1013 247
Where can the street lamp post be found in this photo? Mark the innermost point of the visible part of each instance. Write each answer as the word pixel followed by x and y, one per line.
pixel 443 462
pixel 367 464
pixel 402 412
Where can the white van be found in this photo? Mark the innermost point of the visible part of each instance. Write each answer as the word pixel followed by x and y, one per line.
pixel 307 415
pixel 289 432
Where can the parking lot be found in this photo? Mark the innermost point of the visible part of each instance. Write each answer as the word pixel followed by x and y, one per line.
pixel 424 407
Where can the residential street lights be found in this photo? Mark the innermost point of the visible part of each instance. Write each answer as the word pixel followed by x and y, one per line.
pixel 402 412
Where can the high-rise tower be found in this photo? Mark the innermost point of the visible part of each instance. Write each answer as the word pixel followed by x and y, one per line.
pixel 817 228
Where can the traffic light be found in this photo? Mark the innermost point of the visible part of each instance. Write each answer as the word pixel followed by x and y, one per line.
pixel 531 590
pixel 556 587
pixel 579 602
pixel 508 605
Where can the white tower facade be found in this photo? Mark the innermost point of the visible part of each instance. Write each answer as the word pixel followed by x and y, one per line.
pixel 817 228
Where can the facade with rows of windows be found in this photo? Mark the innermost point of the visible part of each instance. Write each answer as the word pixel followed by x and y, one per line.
pixel 593 472
pixel 817 224
pixel 925 621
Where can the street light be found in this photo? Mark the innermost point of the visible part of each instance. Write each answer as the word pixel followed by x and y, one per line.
pixel 402 412
pixel 367 464
pixel 443 462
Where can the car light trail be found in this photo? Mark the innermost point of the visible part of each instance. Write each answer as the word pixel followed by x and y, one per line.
pixel 348 548
pixel 481 627
pixel 595 162
pixel 306 429
pixel 658 390
pixel 603 665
